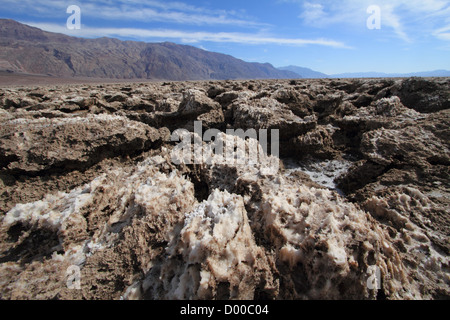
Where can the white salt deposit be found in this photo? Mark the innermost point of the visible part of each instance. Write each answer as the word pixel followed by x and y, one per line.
pixel 322 172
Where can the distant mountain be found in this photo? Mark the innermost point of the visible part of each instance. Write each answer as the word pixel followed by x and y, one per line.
pixel 362 75
pixel 305 72
pixel 436 73
pixel 26 49
pixel 308 73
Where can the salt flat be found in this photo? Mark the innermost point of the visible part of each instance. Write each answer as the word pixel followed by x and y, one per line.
pixel 88 183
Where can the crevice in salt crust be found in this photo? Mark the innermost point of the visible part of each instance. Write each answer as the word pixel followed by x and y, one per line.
pixel 322 172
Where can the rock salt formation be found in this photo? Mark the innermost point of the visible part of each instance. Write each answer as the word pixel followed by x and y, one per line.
pixel 118 217
pixel 96 204
pixel 219 256
pixel 71 142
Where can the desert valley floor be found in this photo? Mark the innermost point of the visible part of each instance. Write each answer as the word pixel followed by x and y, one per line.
pixel 93 205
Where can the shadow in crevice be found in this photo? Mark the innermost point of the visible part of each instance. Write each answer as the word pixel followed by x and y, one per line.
pixel 35 245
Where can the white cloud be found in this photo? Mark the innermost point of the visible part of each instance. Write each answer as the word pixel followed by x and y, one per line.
pixel 443 33
pixel 408 19
pixel 392 20
pixel 147 14
pixel 186 36
pixel 133 10
pixel 313 13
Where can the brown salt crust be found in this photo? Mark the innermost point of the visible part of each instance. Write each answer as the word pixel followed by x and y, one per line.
pixel 87 180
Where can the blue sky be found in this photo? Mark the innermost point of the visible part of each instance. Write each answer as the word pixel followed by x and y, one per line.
pixel 330 36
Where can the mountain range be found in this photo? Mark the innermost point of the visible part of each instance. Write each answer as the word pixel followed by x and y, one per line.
pixel 305 72
pixel 29 50
pixel 26 49
pixel 311 74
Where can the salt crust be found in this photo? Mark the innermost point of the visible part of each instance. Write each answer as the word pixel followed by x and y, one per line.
pixel 310 232
pixel 145 186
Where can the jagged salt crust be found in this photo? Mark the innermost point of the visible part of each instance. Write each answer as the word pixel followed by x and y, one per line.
pixel 317 245
pixel 214 255
pixel 126 194
pixel 431 263
pixel 226 226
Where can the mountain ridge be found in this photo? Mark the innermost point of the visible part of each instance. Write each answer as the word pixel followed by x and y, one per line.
pixel 305 72
pixel 27 49
pixel 373 74
pixel 312 74
pixel 30 50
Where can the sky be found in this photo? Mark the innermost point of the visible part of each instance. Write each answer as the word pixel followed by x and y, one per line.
pixel 330 36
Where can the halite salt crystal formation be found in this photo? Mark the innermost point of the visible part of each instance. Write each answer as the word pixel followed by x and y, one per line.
pixel 74 141
pixel 412 234
pixel 326 244
pixel 109 217
pixel 215 255
pixel 316 245
pixel 120 231
pixel 268 113
pixel 320 247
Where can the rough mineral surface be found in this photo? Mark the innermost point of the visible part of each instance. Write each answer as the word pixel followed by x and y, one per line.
pixel 98 200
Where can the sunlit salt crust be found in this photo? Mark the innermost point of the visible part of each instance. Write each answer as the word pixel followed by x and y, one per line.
pixel 212 248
